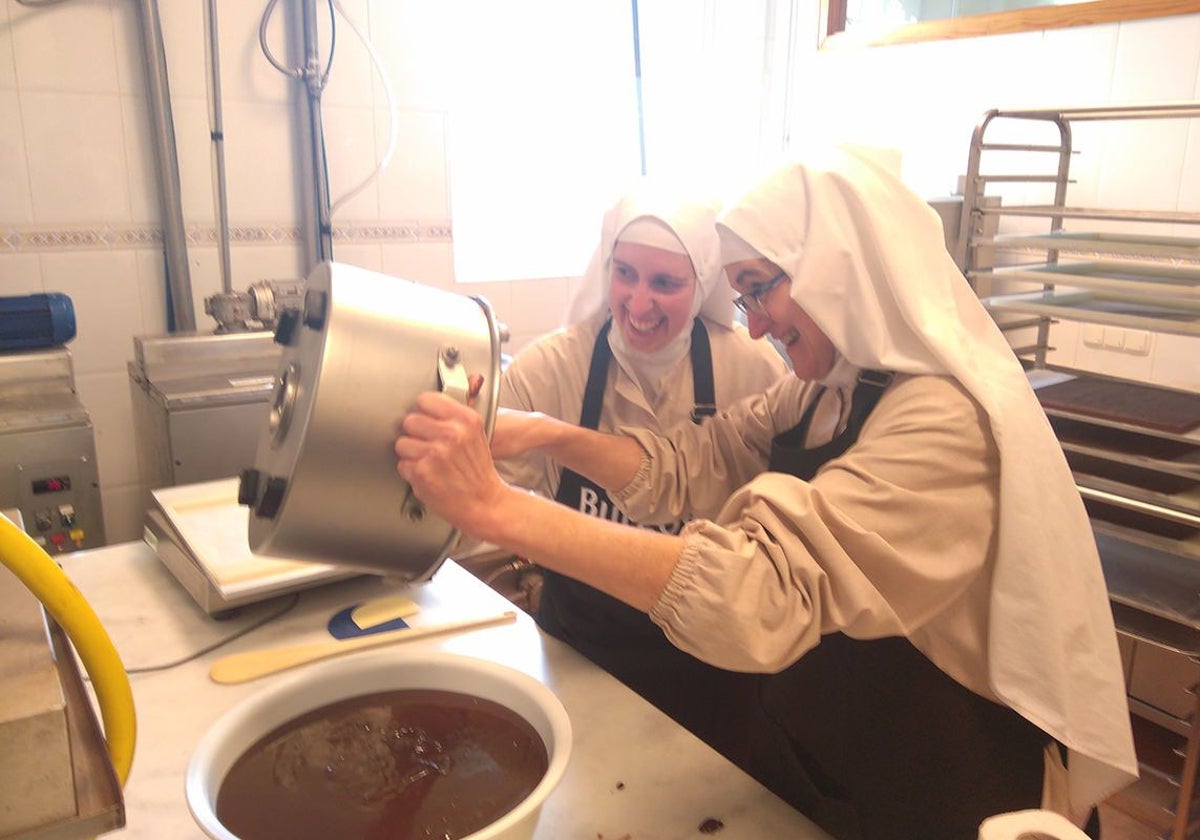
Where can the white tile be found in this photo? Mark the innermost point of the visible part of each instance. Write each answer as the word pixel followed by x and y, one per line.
pixel 193 147
pixel 1189 186
pixel 128 50
pixel 124 513
pixel 415 42
pixel 1156 59
pixel 246 75
pixel 519 341
pixel 76 148
pixel 363 255
pixel 140 162
pixel 874 99
pixel 193 140
pixel 1142 164
pixel 204 277
pixel 1174 361
pixel 183 32
pixel 65 47
pixel 1076 64
pixel 1065 338
pixel 352 75
pixel 498 295
pixel 416 183
pixel 16 199
pixel 351 158
pixel 8 72
pixel 252 263
pixel 537 306
pixel 431 263
pixel 152 291
pixel 1089 141
pixel 107 400
pixel 103 287
pixel 259 163
pixel 20 274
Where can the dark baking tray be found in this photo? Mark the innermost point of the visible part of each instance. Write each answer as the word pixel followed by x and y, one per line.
pixel 1124 402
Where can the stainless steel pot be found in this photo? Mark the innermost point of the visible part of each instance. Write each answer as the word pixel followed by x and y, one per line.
pixel 324 485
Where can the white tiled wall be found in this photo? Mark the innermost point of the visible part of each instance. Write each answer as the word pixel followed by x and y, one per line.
pixel 75 154
pixel 926 99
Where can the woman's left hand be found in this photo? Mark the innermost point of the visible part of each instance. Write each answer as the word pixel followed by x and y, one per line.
pixel 444 456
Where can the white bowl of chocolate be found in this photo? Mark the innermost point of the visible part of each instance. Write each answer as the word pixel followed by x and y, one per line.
pixel 383 745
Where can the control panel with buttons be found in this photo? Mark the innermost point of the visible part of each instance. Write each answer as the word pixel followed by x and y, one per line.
pixel 59 502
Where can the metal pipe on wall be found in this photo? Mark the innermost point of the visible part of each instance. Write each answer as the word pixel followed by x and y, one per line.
pixel 317 223
pixel 217 132
pixel 179 284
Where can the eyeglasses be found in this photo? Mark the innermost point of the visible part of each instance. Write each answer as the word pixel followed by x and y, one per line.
pixel 751 302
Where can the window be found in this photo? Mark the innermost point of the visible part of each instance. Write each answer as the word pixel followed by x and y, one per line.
pixel 543 129
pixel 550 119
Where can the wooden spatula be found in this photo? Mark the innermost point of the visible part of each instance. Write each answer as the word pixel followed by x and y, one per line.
pixel 241 667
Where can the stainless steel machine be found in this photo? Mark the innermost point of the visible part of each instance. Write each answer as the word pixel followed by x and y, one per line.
pixel 199 402
pixel 199 399
pixel 48 452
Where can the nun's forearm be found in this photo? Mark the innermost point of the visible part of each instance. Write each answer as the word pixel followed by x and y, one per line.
pixel 631 564
pixel 610 461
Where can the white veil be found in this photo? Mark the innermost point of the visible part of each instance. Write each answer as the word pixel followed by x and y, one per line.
pixel 692 220
pixel 868 263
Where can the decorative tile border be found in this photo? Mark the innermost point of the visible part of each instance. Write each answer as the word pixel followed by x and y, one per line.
pixel 32 240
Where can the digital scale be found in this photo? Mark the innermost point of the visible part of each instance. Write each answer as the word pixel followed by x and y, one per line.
pixel 200 533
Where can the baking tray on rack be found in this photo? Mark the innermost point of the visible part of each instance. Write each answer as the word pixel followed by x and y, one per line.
pixel 1164 282
pixel 1151 580
pixel 1101 307
pixel 1175 455
pixel 1128 403
pixel 1177 497
pixel 1118 244
pixel 1131 522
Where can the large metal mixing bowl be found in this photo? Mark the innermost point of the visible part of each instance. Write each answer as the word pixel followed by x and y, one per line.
pixel 324 485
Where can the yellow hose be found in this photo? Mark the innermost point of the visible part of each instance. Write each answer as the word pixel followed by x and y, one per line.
pixel 50 585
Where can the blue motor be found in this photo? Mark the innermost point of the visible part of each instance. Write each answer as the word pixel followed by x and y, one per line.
pixel 32 321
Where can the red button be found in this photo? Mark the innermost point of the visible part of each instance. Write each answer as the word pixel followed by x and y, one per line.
pixel 57 538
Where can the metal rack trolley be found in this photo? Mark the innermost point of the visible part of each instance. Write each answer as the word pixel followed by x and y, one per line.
pixel 1141 482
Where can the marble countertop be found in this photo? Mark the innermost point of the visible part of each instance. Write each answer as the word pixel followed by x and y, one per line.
pixel 634 774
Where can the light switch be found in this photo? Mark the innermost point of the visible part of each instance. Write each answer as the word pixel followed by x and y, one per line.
pixel 1093 335
pixel 1137 342
pixel 1114 339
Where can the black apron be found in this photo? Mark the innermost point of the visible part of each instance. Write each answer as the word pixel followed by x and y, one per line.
pixel 868 737
pixel 623 640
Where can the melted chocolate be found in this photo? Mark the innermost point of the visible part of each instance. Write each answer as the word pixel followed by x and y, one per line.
pixel 400 765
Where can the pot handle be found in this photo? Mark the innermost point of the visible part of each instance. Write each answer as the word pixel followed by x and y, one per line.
pixel 452 375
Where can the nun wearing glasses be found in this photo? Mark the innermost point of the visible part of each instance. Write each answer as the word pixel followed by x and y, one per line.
pixel 650 343
pixel 900 551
